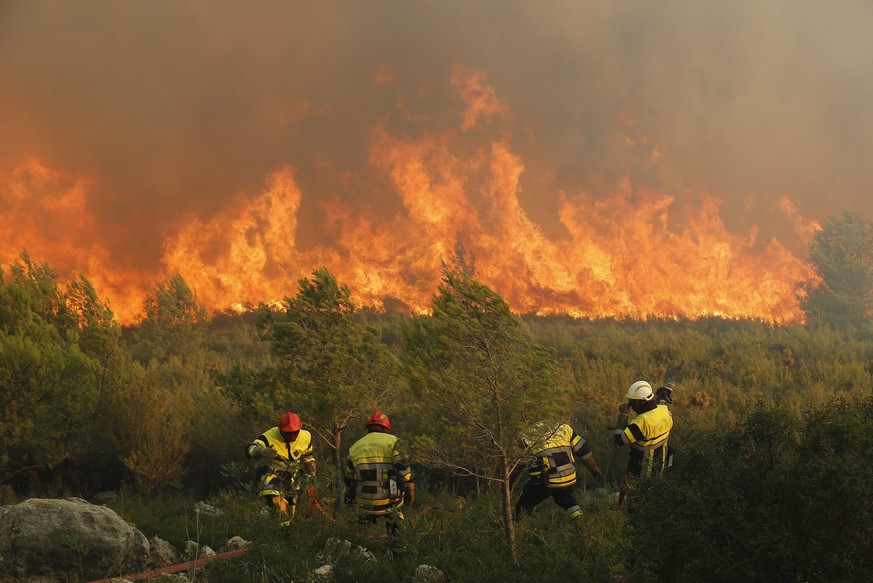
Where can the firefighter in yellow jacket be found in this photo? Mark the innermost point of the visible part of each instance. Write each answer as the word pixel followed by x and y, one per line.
pixel 647 434
pixel 378 478
pixel 553 471
pixel 282 452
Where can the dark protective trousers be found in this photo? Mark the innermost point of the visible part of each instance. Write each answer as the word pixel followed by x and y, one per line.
pixel 534 493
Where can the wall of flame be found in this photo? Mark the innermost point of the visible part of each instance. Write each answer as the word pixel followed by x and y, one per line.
pixel 635 253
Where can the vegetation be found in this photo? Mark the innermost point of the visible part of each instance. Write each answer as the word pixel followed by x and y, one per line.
pixel 480 404
pixel 774 472
pixel 842 256
pixel 326 363
pixel 778 497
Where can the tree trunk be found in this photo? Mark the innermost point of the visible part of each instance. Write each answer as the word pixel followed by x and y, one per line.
pixel 508 524
pixel 338 461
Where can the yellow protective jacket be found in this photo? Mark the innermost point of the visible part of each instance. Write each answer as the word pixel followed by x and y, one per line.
pixel 556 456
pixel 286 464
pixel 647 436
pixel 374 461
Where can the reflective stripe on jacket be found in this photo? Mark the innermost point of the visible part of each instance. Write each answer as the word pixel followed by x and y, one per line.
pixel 556 456
pixel 647 436
pixel 372 462
pixel 289 457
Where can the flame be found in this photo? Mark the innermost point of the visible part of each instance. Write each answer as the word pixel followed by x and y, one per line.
pixel 246 254
pixel 384 75
pixel 46 212
pixel 623 255
pixel 804 227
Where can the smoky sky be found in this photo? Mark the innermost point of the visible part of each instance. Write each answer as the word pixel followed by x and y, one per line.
pixel 172 108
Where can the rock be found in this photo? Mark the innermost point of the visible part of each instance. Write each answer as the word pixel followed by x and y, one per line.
pixel 236 542
pixel 191 549
pixel 428 574
pixel 69 537
pixel 162 553
pixel 324 572
pixel 362 555
pixel 336 549
pixel 207 509
pixel 195 551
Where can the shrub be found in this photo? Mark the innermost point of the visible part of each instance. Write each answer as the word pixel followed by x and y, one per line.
pixel 779 497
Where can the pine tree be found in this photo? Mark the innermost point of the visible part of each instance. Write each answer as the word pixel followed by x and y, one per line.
pixel 482 382
pixel 328 365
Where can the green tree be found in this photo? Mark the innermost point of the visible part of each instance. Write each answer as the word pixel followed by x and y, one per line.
pixel 154 409
pixel 842 256
pixel 172 323
pixel 327 364
pixel 49 373
pixel 482 382
pixel 150 426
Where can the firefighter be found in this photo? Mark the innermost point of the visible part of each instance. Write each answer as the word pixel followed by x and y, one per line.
pixel 553 471
pixel 282 452
pixel 647 434
pixel 379 480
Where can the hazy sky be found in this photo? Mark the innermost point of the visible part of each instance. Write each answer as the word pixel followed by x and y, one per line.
pixel 171 108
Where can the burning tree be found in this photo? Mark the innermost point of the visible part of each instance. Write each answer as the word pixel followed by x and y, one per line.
pixel 482 382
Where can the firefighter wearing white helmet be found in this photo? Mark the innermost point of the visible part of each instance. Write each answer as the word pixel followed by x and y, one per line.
pixel 647 434
pixel 640 391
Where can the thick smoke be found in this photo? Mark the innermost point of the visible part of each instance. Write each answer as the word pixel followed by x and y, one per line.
pixel 169 110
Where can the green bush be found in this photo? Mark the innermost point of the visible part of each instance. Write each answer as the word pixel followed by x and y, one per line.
pixel 461 537
pixel 779 497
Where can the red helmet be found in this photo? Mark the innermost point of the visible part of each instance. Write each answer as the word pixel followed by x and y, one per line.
pixel 289 422
pixel 378 419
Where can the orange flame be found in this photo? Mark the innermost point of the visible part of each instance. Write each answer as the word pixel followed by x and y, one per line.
pixel 46 213
pixel 619 256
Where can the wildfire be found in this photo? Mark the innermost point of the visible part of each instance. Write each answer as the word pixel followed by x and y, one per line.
pixel 618 256
pixel 47 213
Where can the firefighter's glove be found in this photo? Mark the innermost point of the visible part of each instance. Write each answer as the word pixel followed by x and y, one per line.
pixel 621 420
pixel 408 493
pixel 592 466
pixel 265 453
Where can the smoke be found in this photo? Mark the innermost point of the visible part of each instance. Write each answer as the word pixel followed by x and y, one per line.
pixel 166 112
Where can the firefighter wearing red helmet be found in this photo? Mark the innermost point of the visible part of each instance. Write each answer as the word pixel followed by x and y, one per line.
pixel 282 451
pixel 378 478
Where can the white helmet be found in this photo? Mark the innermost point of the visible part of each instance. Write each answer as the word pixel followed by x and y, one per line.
pixel 641 391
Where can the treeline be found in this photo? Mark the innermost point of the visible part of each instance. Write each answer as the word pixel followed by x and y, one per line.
pixel 174 397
